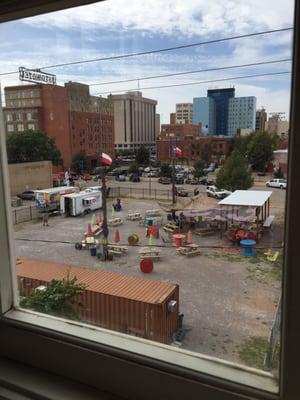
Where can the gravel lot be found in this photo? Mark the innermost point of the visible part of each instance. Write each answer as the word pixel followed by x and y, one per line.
pixel 226 298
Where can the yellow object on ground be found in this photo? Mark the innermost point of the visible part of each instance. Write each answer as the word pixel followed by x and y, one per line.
pixel 273 257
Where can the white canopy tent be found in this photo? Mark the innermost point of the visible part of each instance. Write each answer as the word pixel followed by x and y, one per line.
pixel 258 199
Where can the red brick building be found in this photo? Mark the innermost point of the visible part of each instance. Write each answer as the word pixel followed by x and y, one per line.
pixel 207 148
pixel 180 130
pixel 75 119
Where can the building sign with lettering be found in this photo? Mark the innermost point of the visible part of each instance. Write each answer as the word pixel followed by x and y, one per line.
pixel 36 76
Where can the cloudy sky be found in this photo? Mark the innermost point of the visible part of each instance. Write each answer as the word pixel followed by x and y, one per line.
pixel 117 27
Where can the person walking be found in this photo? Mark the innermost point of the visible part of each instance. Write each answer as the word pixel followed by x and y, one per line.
pixel 45 219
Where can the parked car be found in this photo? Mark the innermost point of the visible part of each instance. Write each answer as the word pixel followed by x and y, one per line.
pixel 27 195
pixel 181 192
pixel 153 174
pixel 164 180
pixel 134 178
pixel 194 181
pixel 179 180
pixel 205 180
pixel 86 177
pixel 213 191
pixel 120 178
pixel 277 183
pixel 261 173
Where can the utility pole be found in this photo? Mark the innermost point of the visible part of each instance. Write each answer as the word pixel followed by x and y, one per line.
pixel 173 171
pixel 105 230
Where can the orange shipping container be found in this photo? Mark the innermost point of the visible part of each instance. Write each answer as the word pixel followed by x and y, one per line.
pixel 136 306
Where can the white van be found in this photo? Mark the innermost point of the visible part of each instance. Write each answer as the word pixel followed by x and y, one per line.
pixel 80 203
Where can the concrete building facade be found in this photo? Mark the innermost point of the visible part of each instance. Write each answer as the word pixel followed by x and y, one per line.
pixel 135 121
pixel 69 115
pixel 204 113
pixel 277 125
pixel 184 113
pixel 241 114
pixel 261 120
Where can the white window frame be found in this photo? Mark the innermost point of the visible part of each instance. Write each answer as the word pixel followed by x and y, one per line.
pixel 74 351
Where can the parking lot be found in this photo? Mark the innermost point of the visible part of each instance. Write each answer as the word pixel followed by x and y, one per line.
pixel 225 297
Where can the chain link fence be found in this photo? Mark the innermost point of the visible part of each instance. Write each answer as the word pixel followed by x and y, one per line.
pixel 140 193
pixel 25 214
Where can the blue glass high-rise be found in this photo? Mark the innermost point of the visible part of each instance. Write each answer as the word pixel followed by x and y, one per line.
pixel 221 98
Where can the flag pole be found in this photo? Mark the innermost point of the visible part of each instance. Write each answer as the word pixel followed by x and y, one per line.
pixel 173 174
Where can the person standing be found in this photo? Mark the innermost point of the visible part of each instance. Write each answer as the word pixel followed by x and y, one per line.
pixel 45 219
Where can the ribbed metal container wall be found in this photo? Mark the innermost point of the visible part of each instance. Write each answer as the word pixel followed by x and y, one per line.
pixel 143 312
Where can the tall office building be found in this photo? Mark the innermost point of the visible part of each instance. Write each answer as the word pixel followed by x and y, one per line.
pixel 135 121
pixel 204 113
pixel 221 98
pixel 184 113
pixel 241 114
pixel 261 120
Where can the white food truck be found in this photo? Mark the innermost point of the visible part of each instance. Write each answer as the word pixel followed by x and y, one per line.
pixel 80 203
pixel 49 199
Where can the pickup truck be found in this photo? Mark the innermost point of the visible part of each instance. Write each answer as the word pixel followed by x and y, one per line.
pixel 212 191
pixel 277 183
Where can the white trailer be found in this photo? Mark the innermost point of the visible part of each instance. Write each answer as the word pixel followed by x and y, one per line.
pixel 80 203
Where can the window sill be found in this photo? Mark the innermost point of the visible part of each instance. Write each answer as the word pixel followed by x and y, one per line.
pixel 203 370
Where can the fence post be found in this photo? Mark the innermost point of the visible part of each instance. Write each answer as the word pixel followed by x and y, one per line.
pixel 30 213
pixel 16 220
pixel 143 193
pixel 155 194
pixel 130 192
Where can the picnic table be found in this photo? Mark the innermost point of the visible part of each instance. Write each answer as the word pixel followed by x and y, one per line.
pixel 149 252
pixel 153 213
pixel 115 222
pixel 190 250
pixel 117 250
pixel 134 216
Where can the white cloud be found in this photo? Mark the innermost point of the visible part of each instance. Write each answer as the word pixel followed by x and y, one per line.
pixel 194 17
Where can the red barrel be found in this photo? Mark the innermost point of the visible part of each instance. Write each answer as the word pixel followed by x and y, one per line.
pixel 146 265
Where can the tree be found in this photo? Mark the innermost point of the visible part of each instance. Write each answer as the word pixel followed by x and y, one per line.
pixel 241 143
pixel 80 162
pixel 32 146
pixel 235 173
pixel 56 298
pixel 260 150
pixel 166 170
pixel 199 168
pixel 278 174
pixel 142 155
pixel 134 168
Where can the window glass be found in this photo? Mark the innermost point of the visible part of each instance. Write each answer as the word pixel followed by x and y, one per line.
pixel 199 270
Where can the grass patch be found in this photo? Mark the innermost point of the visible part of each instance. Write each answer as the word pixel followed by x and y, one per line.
pixel 253 351
pixel 266 273
pixel 226 257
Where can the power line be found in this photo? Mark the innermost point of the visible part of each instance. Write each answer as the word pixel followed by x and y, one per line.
pixel 192 72
pixel 142 53
pixel 196 83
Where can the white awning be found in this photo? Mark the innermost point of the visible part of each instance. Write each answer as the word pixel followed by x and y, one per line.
pixel 250 198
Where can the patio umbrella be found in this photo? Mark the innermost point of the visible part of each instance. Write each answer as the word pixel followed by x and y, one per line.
pixel 150 240
pixel 112 211
pixel 189 237
pixel 117 236
pixel 93 219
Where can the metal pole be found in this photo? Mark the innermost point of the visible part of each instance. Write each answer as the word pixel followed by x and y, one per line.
pixel 104 223
pixel 150 186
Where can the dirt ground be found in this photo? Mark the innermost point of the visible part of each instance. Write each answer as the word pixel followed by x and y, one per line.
pixel 226 298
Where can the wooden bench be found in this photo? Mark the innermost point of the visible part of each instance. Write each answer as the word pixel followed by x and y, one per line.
pixel 117 250
pixel 268 222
